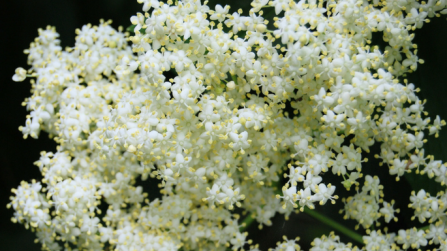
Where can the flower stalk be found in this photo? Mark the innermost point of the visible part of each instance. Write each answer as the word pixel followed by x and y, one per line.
pixel 335 225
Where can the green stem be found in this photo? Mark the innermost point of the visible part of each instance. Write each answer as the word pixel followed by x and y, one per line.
pixel 424 228
pixel 246 222
pixel 337 226
pixel 234 78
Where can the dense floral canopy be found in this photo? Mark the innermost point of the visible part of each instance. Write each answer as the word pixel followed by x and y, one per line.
pixel 223 108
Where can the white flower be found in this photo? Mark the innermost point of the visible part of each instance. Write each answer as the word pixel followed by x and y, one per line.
pixel 332 120
pixel 240 141
pixel 19 75
pixel 339 165
pixel 138 21
pixel 436 233
pixel 434 129
pixel 324 193
pixel 237 22
pixel 305 198
pixel 378 241
pixel 147 4
pixel 416 18
pixel 238 241
pixel 388 211
pixel 411 238
pixel 220 13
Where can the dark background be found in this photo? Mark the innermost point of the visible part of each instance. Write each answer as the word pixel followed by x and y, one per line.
pixel 19 22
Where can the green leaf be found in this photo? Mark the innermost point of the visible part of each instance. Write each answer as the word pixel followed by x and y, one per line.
pixel 131 28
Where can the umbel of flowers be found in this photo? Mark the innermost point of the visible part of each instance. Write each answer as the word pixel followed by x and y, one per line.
pixel 219 108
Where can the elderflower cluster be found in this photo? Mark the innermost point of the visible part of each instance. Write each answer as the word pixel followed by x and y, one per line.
pixel 223 108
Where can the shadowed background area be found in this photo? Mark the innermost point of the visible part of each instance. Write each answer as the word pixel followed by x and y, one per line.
pixel 19 22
